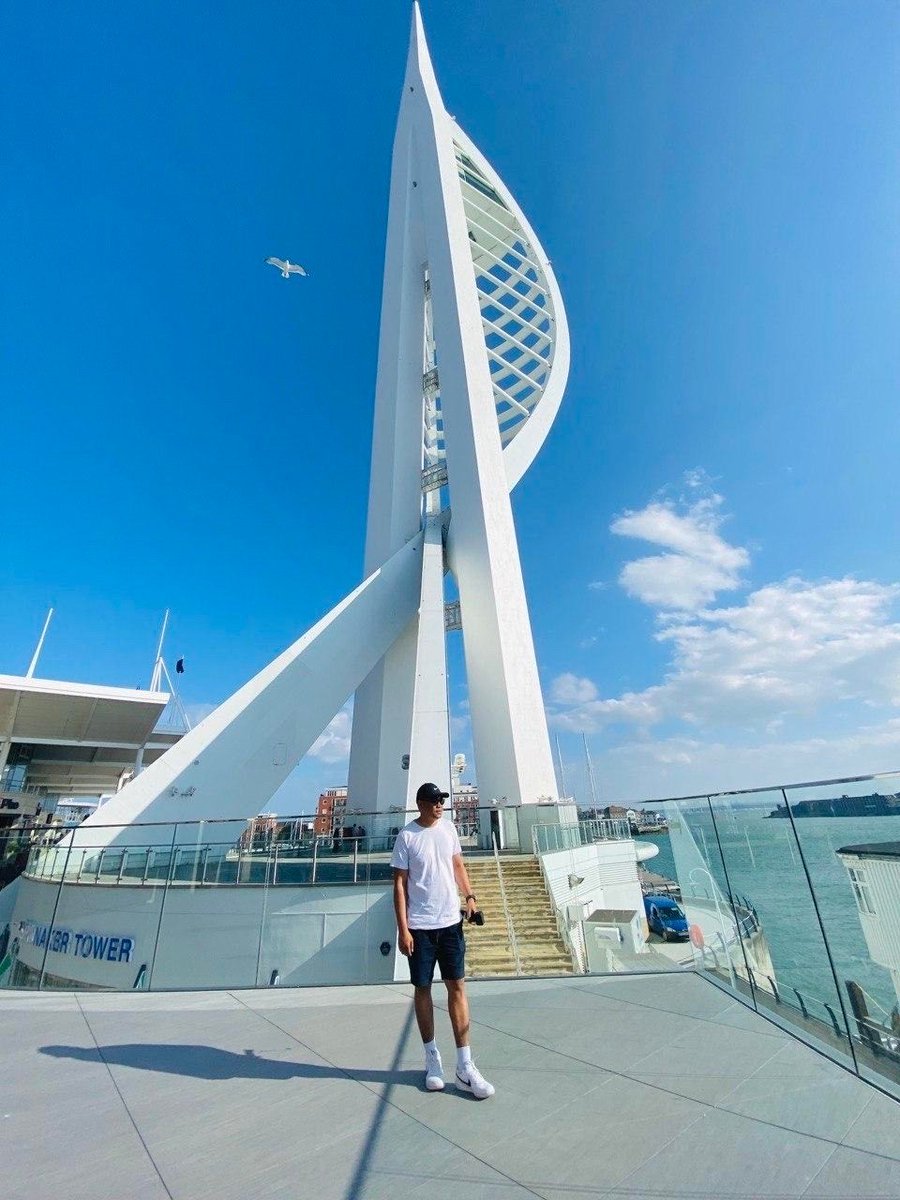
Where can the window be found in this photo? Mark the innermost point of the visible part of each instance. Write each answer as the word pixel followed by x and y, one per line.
pixel 862 890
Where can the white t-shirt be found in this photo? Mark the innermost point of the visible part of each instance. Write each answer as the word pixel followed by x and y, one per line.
pixel 432 894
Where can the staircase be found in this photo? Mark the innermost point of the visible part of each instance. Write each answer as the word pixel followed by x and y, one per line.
pixel 488 949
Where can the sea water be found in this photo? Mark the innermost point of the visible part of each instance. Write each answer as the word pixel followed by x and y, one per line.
pixel 763 862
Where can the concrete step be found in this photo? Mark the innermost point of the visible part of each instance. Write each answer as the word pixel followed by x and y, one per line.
pixel 532 916
pixel 529 948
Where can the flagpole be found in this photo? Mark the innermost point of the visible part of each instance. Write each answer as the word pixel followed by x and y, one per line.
pixel 156 677
pixel 39 647
pixel 590 772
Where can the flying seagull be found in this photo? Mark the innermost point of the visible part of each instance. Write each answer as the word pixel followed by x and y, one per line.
pixel 286 267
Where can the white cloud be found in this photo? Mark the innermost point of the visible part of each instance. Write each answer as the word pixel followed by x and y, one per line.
pixel 333 744
pixel 801 679
pixel 791 650
pixel 569 689
pixel 642 770
pixel 460 728
pixel 698 562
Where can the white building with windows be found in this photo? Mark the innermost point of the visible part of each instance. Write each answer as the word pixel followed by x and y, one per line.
pixel 874 870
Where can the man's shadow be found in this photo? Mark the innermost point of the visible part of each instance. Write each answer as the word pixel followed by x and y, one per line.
pixel 209 1062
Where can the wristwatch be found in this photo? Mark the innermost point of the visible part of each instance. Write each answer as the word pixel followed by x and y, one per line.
pixel 469 897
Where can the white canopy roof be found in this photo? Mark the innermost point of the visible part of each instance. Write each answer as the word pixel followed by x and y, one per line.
pixel 83 735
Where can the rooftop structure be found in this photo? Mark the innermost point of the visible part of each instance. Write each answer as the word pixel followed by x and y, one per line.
pixel 76 739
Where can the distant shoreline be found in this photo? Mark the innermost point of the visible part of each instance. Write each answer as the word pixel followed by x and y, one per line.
pixel 874 805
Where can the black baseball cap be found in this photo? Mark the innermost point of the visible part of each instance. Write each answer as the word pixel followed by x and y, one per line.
pixel 429 792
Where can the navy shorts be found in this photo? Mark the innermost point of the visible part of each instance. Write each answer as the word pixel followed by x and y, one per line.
pixel 446 947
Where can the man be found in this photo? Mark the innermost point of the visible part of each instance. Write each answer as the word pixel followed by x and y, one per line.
pixel 429 874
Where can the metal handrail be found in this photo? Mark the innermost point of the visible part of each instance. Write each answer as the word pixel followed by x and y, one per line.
pixel 189 865
pixel 578 833
pixel 510 931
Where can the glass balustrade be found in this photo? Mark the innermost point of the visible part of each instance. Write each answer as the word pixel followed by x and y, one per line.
pixel 789 898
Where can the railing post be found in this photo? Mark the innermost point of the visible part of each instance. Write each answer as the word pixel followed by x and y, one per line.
pixel 314 857
pixel 162 906
pixel 834 1021
pixel 355 856
pixel 62 884
pixel 510 930
pixel 821 923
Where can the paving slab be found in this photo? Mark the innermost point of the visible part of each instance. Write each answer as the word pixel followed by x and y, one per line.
pixel 851 1173
pixel 727 1157
pixel 647 1086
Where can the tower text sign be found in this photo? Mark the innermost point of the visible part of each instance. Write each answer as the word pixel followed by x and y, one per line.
pixel 78 943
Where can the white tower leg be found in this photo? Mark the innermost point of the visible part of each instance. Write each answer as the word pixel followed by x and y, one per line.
pixel 231 764
pixel 382 713
pixel 512 745
pixel 429 758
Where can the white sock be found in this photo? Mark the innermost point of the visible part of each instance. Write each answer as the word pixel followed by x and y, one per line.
pixel 431 1047
pixel 463 1058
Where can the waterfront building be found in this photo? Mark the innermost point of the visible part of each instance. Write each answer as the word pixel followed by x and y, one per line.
pixel 330 811
pixel 874 872
pixel 60 738
pixel 465 809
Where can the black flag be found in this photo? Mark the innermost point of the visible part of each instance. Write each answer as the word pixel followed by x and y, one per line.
pixel 179 667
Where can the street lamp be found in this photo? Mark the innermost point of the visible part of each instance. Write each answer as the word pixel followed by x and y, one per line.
pixel 715 895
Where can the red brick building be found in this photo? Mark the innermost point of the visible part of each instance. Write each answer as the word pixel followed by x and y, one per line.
pixel 331 811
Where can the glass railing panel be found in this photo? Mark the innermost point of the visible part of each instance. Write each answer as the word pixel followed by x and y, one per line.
pixel 31 932
pixel 215 898
pixel 849 835
pixel 592 871
pixel 69 932
pixel 688 920
pixel 773 913
pixel 328 917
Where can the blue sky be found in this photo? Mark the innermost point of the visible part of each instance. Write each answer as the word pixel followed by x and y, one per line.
pixel 709 534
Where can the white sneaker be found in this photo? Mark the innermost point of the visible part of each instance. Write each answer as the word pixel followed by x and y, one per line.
pixel 434 1072
pixel 473 1081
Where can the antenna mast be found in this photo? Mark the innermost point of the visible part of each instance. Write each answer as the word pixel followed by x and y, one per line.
pixel 156 677
pixel 590 772
pixel 562 772
pixel 39 647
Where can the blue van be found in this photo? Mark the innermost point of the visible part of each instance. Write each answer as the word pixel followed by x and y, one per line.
pixel 666 918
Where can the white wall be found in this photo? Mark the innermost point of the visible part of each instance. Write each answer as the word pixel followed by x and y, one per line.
pixel 881 929
pixel 609 871
pixel 210 937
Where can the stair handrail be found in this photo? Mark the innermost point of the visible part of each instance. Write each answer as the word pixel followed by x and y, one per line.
pixel 510 931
